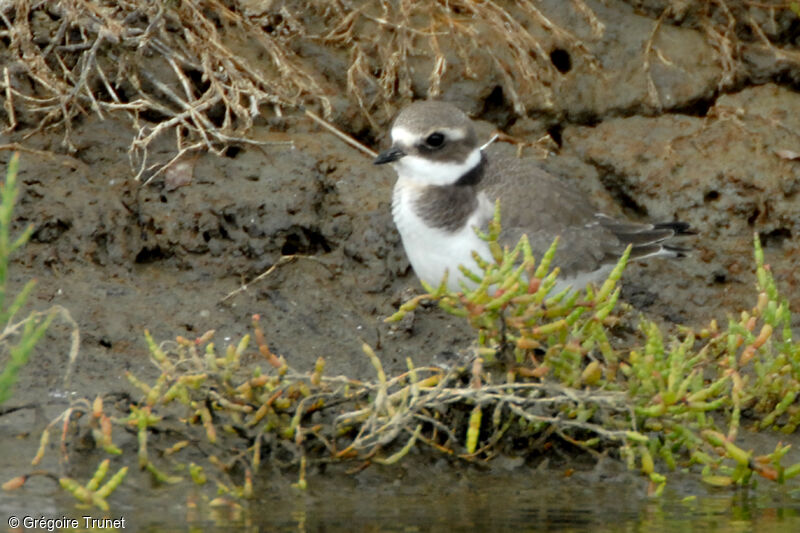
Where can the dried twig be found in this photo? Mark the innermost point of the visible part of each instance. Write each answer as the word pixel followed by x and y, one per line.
pixel 343 136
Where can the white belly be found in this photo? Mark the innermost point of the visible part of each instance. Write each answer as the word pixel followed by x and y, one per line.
pixel 433 251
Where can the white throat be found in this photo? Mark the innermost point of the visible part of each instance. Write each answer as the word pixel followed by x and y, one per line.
pixel 424 171
pixel 433 251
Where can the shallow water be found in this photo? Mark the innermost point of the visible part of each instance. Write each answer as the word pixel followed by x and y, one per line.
pixel 545 502
pixel 608 500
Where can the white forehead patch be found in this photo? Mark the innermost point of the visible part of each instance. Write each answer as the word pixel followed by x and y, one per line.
pixel 455 134
pixel 405 137
pixel 426 172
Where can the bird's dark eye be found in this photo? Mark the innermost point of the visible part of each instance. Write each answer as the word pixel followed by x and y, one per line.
pixel 435 140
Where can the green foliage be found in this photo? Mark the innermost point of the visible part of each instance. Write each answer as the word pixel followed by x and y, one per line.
pixel 547 371
pixel 511 305
pixel 92 494
pixel 663 400
pixel 17 338
pixel 684 394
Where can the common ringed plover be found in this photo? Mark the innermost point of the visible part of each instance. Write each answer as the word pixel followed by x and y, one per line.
pixel 447 186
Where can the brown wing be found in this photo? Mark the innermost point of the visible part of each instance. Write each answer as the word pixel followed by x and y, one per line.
pixel 536 203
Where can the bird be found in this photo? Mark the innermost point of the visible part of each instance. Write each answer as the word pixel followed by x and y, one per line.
pixel 447 185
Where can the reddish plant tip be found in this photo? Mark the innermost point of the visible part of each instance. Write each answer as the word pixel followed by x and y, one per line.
pixel 533 285
pixel 767 473
pixel 14 483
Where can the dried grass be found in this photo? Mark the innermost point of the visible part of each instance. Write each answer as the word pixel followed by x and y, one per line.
pixel 201 72
pixel 166 66
pixel 736 27
pixel 388 37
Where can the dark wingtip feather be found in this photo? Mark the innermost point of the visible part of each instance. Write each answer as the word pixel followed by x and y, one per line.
pixel 657 249
pixel 679 251
pixel 680 228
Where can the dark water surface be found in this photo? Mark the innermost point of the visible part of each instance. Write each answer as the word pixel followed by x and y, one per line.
pixel 465 501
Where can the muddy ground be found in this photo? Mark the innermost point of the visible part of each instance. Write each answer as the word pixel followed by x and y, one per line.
pixel 123 257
